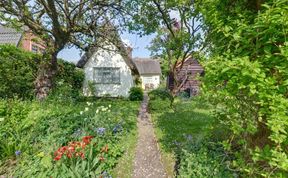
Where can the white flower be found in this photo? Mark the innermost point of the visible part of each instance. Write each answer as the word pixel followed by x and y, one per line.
pixel 109 110
pixel 88 103
pixel 109 106
pixel 104 109
pixel 97 111
pixel 1 119
pixel 86 109
pixel 81 112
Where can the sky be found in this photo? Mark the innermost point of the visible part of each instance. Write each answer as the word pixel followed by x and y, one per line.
pixel 139 45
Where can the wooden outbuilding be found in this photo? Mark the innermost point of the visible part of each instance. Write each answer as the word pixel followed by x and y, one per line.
pixel 187 77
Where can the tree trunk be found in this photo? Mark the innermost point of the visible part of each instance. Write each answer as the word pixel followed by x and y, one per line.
pixel 46 75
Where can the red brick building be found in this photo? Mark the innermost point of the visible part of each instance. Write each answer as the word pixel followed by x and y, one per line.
pixel 23 39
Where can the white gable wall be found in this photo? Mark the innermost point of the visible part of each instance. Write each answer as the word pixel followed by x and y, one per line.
pixel 150 79
pixel 103 58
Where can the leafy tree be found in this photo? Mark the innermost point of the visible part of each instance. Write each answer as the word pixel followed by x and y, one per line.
pixel 246 77
pixel 176 39
pixel 60 23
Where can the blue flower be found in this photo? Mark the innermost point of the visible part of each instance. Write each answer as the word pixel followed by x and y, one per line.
pixel 189 137
pixel 17 153
pixel 117 128
pixel 100 130
pixel 77 133
pixel 177 143
pixel 106 174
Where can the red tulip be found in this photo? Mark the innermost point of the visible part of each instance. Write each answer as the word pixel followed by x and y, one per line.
pixel 87 139
pixel 101 158
pixel 58 157
pixel 105 149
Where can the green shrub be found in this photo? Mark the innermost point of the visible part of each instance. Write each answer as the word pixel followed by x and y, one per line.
pixel 161 93
pixel 136 94
pixel 246 79
pixel 158 105
pixel 69 81
pixel 18 69
pixel 70 74
pixel 184 95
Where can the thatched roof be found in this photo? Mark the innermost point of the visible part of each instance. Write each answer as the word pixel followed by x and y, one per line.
pixel 112 37
pixel 147 66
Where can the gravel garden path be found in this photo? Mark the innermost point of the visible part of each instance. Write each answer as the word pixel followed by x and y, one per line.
pixel 147 163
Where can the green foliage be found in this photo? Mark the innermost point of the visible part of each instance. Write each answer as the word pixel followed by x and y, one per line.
pixel 37 130
pixel 185 133
pixel 175 38
pixel 136 94
pixel 14 112
pixel 17 72
pixel 69 81
pixel 70 74
pixel 184 95
pixel 246 78
pixel 161 93
pixel 158 105
pixel 160 99
pixel 92 88
pixel 204 160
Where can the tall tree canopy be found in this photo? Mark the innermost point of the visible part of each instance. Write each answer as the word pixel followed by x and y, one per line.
pixel 178 36
pixel 59 23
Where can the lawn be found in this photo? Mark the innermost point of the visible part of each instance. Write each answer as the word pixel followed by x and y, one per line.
pixel 185 137
pixel 67 138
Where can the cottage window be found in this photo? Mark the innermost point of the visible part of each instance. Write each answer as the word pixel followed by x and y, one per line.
pixel 148 80
pixel 106 75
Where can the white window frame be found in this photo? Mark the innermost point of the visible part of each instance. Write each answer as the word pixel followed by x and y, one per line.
pixel 112 78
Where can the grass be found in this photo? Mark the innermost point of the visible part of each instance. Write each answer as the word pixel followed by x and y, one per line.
pixel 38 129
pixel 178 128
pixel 174 127
pixel 124 167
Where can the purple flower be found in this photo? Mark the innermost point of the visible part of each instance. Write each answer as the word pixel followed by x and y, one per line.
pixel 17 153
pixel 176 24
pixel 100 131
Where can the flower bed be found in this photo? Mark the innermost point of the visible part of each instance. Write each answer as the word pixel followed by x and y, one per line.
pixel 80 139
